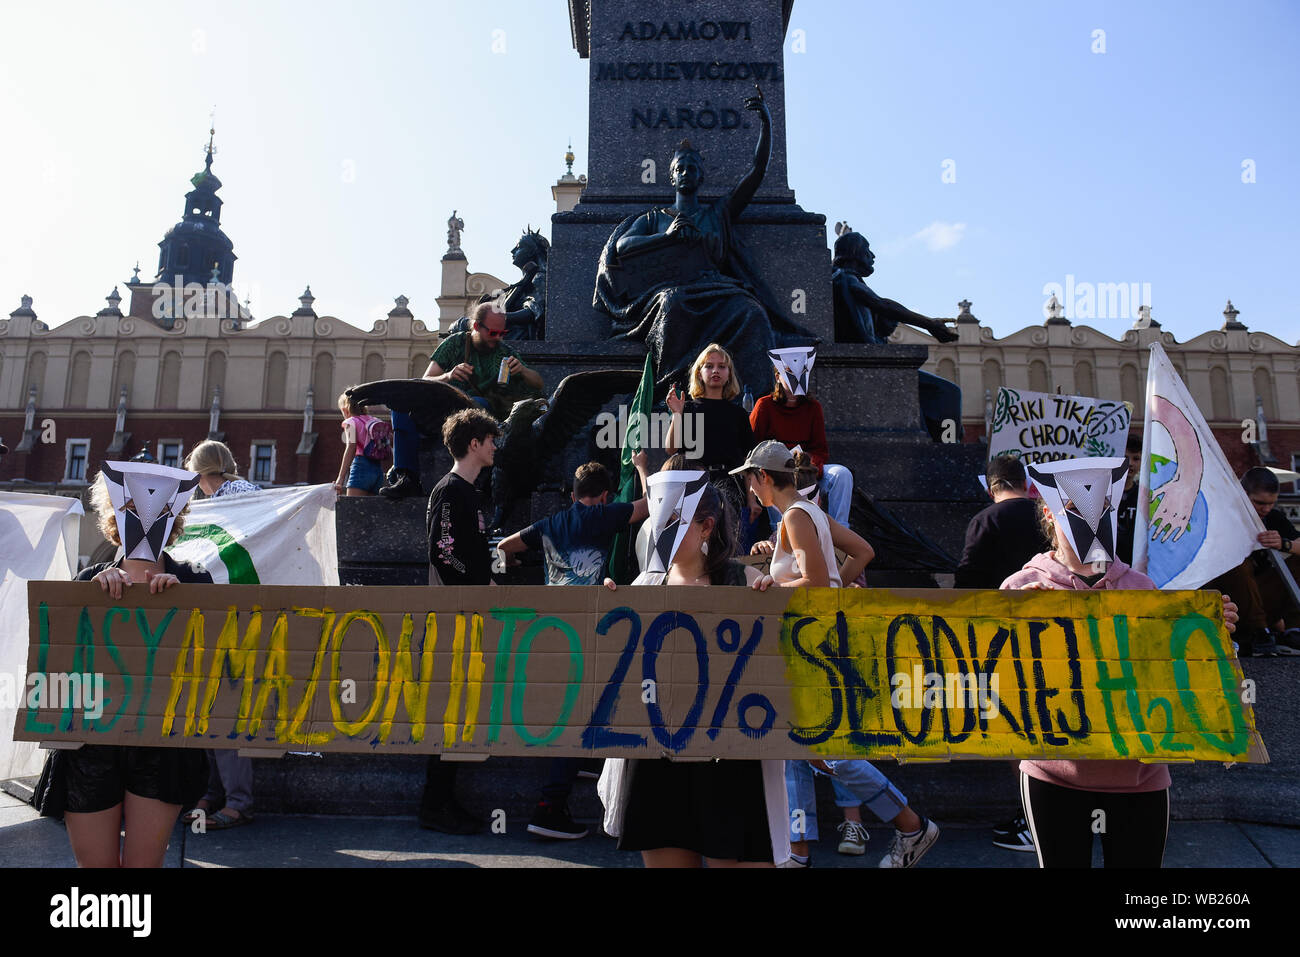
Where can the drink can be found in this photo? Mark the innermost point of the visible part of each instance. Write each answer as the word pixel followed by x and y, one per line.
pixel 503 375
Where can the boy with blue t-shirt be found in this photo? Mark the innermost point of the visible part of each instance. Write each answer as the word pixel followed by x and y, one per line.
pixel 576 543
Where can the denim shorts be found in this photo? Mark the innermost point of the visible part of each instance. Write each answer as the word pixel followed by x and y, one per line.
pixel 365 474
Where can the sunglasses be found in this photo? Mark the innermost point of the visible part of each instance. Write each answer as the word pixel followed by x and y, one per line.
pixel 491 333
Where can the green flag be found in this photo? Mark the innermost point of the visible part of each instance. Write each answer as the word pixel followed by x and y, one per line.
pixel 622 564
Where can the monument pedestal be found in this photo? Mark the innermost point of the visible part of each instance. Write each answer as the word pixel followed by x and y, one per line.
pixel 873 425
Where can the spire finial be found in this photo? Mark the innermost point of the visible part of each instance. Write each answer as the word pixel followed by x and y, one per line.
pixel 568 158
pixel 212 136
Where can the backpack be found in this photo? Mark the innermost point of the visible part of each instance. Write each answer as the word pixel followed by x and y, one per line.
pixel 378 444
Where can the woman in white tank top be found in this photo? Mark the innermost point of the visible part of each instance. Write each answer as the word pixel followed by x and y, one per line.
pixel 805 545
pixel 804 557
pixel 785 567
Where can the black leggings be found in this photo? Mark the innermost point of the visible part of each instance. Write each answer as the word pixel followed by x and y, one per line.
pixel 1062 820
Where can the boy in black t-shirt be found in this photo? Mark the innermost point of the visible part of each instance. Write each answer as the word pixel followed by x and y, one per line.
pixel 459 554
pixel 576 544
pixel 458 542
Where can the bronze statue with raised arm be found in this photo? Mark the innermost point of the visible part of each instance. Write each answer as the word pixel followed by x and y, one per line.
pixel 676 279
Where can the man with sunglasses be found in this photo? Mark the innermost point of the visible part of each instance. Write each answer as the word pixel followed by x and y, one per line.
pixel 472 362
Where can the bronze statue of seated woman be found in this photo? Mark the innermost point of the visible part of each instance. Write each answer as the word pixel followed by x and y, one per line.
pixel 524 302
pixel 675 278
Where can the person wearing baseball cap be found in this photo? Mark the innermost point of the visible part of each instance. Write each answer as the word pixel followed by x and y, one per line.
pixel 804 557
pixel 770 456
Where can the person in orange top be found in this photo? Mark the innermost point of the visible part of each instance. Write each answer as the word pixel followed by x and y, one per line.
pixel 793 417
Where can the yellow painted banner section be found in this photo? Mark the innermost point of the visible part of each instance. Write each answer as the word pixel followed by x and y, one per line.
pixel 1059 675
pixel 691 672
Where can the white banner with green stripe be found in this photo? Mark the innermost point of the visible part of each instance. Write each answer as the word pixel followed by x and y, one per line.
pixel 280 536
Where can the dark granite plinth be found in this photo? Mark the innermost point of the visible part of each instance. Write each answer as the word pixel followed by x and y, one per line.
pixel 663 71
pixel 874 428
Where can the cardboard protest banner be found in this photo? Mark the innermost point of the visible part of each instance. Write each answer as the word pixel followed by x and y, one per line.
pixel 716 672
pixel 1043 427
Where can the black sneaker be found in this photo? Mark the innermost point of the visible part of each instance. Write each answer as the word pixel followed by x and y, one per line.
pixel 1288 643
pixel 450 819
pixel 552 820
pixel 1014 835
pixel 406 484
pixel 1264 645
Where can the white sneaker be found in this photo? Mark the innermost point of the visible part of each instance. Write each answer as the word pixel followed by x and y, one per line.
pixel 853 838
pixel 906 851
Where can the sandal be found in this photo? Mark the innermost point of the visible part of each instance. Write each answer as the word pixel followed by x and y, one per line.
pixel 192 815
pixel 225 819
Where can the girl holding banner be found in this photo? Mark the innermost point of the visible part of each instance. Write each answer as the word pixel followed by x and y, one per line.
pixel 98 789
pixel 1064 801
pixel 692 813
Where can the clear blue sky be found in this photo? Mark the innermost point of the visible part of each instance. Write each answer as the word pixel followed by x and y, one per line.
pixel 348 132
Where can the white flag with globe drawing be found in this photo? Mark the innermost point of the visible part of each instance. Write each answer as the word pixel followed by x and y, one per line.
pixel 1194 520
pixel 281 536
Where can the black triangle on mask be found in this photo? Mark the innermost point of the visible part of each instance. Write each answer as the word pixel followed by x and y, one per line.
pixel 664 543
pixel 1083 535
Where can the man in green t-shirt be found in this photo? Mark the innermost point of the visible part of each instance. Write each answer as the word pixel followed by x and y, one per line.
pixel 471 361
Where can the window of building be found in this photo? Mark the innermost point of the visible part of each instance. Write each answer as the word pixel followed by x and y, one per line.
pixel 277 370
pixel 262 457
pixel 169 383
pixel 169 452
pixel 76 455
pixel 1039 380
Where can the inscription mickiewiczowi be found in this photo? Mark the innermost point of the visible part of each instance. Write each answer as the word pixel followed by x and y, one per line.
pixel 698 116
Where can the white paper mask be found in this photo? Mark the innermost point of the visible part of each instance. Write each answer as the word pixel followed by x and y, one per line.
pixel 1083 495
pixel 146 500
pixel 672 497
pixel 794 366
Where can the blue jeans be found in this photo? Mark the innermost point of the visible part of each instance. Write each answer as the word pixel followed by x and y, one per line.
pixel 855 782
pixel 406 443
pixel 406 439
pixel 837 487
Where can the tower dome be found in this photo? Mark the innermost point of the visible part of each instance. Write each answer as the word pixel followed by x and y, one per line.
pixel 196 249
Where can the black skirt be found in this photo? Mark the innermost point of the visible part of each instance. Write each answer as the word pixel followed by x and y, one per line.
pixel 96 777
pixel 713 808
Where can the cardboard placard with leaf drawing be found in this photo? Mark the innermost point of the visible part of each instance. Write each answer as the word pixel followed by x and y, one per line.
pixel 723 672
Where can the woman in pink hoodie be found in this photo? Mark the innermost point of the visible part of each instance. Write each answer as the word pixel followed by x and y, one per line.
pixel 1066 802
